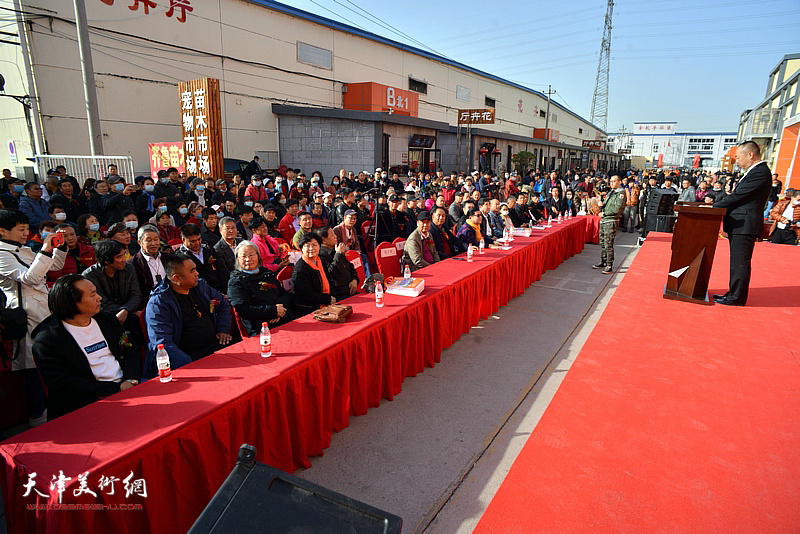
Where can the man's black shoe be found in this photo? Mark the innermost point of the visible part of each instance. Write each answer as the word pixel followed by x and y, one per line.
pixel 717 297
pixel 599 265
pixel 608 269
pixel 726 302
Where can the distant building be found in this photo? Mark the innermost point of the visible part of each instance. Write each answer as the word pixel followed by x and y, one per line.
pixel 659 144
pixel 775 121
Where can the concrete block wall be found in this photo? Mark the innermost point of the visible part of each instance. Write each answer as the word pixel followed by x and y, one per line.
pixel 328 145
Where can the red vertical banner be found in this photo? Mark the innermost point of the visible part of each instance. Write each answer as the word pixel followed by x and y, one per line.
pixel 660 160
pixel 696 162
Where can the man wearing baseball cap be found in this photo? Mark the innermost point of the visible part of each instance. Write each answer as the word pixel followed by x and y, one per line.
pixel 420 250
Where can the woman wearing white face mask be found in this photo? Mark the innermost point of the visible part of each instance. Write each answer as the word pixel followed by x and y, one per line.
pixel 198 192
pixel 144 202
pixel 256 190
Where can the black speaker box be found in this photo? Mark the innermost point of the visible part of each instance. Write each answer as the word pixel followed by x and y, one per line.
pixel 258 498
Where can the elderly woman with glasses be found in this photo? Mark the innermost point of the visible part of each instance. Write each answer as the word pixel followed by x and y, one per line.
pixel 255 292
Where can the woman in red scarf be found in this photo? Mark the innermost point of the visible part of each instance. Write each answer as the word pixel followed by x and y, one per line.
pixel 310 283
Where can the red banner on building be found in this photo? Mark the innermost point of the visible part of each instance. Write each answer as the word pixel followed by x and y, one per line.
pixel 166 155
pixel 660 160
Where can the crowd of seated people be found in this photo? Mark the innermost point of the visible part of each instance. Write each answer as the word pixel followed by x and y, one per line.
pixel 168 259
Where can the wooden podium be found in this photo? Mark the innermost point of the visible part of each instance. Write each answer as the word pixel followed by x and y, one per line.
pixel 694 241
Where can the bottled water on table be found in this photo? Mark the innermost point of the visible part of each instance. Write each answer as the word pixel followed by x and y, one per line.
pixel 266 341
pixel 469 253
pixel 378 294
pixel 407 272
pixel 162 362
pixel 481 246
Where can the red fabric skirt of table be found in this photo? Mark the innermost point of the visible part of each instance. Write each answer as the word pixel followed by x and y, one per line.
pixel 593 229
pixel 182 438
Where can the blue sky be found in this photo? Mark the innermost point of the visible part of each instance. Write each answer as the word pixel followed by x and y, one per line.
pixel 700 63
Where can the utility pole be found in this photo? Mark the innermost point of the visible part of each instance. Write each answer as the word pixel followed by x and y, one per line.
pixel 599 115
pixel 32 112
pixel 547 128
pixel 89 87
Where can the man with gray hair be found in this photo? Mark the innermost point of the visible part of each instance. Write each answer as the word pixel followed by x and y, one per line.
pixel 148 262
pixel 227 243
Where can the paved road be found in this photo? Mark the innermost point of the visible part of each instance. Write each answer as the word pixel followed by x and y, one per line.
pixel 437 453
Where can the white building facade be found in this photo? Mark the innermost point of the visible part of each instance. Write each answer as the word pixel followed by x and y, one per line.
pixel 660 144
pixel 283 75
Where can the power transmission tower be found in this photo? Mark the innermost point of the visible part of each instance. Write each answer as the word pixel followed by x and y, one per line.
pixel 600 99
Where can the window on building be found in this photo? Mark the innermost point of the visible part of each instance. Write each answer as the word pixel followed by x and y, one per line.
pixel 655 147
pixel 580 131
pixel 542 114
pixel 315 56
pixel 417 86
pixel 553 118
pixel 490 102
pixel 462 93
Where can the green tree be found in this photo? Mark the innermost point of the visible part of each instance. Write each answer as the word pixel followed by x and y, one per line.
pixel 522 161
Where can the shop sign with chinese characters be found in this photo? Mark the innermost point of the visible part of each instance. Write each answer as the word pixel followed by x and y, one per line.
pixel 201 122
pixel 654 127
pixel 475 116
pixel 596 145
pixel 166 155
pixel 171 8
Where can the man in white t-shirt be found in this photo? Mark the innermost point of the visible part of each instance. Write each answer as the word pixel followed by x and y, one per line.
pixel 82 353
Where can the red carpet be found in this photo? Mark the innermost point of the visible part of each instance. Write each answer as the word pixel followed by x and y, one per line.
pixel 675 417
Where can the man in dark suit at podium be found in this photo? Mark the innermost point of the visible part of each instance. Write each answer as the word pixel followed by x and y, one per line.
pixel 744 219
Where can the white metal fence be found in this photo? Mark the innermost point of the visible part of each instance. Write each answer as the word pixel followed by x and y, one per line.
pixel 84 167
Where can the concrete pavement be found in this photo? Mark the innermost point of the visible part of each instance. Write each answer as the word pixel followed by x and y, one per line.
pixel 436 454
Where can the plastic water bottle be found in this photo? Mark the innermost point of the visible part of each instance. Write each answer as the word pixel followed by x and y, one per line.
pixel 266 341
pixel 505 236
pixel 549 222
pixel 481 246
pixel 469 253
pixel 378 294
pixel 162 362
pixel 407 272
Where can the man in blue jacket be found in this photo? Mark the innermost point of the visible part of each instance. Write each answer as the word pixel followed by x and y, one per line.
pixel 189 317
pixel 33 205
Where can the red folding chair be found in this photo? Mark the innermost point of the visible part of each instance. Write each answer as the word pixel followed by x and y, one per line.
pixel 285 277
pixel 239 324
pixel 400 243
pixel 355 258
pixel 388 259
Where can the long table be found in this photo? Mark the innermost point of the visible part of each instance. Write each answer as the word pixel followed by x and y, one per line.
pixel 181 438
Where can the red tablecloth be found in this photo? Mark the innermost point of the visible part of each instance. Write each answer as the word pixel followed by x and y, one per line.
pixel 182 437
pixel 593 229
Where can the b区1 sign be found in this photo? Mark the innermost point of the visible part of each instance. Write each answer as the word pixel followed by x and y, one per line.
pixel 475 116
pixel 201 122
pixel 370 96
